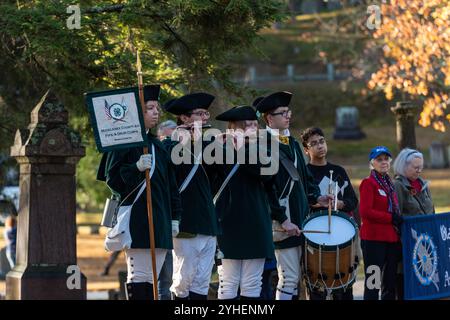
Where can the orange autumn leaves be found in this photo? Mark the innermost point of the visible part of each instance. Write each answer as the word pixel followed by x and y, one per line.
pixel 416 55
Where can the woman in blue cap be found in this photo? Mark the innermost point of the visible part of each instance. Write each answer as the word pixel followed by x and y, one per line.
pixel 380 225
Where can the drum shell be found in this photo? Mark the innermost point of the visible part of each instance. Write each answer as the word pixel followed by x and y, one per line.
pixel 314 254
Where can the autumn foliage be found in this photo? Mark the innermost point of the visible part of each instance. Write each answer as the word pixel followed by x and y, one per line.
pixel 415 38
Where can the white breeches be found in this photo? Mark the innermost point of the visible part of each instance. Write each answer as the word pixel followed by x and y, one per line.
pixel 289 272
pixel 243 274
pixel 193 259
pixel 139 264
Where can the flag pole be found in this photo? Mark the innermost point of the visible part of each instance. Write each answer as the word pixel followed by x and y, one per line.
pixel 148 187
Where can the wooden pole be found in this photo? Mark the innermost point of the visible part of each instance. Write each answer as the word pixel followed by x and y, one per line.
pixel 148 188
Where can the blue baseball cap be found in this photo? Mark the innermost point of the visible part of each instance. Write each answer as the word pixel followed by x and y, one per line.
pixel 375 152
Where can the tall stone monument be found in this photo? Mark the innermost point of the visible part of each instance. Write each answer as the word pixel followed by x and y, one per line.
pixel 405 114
pixel 47 152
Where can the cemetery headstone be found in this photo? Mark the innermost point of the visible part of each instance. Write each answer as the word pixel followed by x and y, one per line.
pixel 47 152
pixel 347 124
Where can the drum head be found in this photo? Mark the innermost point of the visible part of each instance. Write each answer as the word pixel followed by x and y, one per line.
pixel 342 230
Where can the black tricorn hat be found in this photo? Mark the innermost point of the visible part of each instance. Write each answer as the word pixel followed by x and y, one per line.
pixel 168 104
pixel 256 101
pixel 273 101
pixel 189 102
pixel 151 92
pixel 239 113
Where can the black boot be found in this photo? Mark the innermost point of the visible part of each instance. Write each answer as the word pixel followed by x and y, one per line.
pixel 178 298
pixel 196 296
pixel 139 291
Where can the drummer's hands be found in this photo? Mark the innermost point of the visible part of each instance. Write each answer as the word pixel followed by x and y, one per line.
pixel 324 200
pixel 290 228
pixel 340 204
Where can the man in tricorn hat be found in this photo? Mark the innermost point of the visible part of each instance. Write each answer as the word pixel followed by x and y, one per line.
pixel 124 173
pixel 195 245
pixel 296 191
pixel 242 203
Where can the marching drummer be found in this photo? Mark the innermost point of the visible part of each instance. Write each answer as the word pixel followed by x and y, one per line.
pixel 315 146
pixel 296 191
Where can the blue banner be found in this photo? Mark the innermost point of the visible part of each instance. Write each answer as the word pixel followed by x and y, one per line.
pixel 426 256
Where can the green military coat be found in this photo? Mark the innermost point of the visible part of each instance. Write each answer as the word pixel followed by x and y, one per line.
pixel 199 215
pixel 304 192
pixel 122 176
pixel 243 211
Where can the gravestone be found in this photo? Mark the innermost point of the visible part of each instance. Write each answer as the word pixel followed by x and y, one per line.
pixel 347 124
pixel 334 4
pixel 311 6
pixel 438 155
pixel 330 72
pixel 5 267
pixel 448 154
pixel 290 72
pixel 47 152
pixel 405 115
pixel 251 76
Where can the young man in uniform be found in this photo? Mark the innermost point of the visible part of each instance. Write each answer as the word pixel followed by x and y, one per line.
pixel 195 246
pixel 296 192
pixel 316 148
pixel 124 173
pixel 243 199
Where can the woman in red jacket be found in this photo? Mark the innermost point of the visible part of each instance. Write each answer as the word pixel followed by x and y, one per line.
pixel 380 217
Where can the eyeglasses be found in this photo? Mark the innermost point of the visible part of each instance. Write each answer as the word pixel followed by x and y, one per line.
pixel 316 143
pixel 201 114
pixel 286 114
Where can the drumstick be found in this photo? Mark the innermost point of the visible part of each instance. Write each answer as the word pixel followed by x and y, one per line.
pixel 335 196
pixel 313 231
pixel 303 231
pixel 329 201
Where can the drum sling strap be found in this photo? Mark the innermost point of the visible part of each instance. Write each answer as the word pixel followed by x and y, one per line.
pixel 289 181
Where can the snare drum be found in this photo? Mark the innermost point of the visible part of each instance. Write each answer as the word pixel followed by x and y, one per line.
pixel 330 259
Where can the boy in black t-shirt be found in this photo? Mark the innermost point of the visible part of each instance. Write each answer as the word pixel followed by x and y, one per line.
pixel 315 146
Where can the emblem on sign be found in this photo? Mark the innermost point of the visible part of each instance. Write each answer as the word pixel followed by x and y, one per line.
pixel 425 259
pixel 116 111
